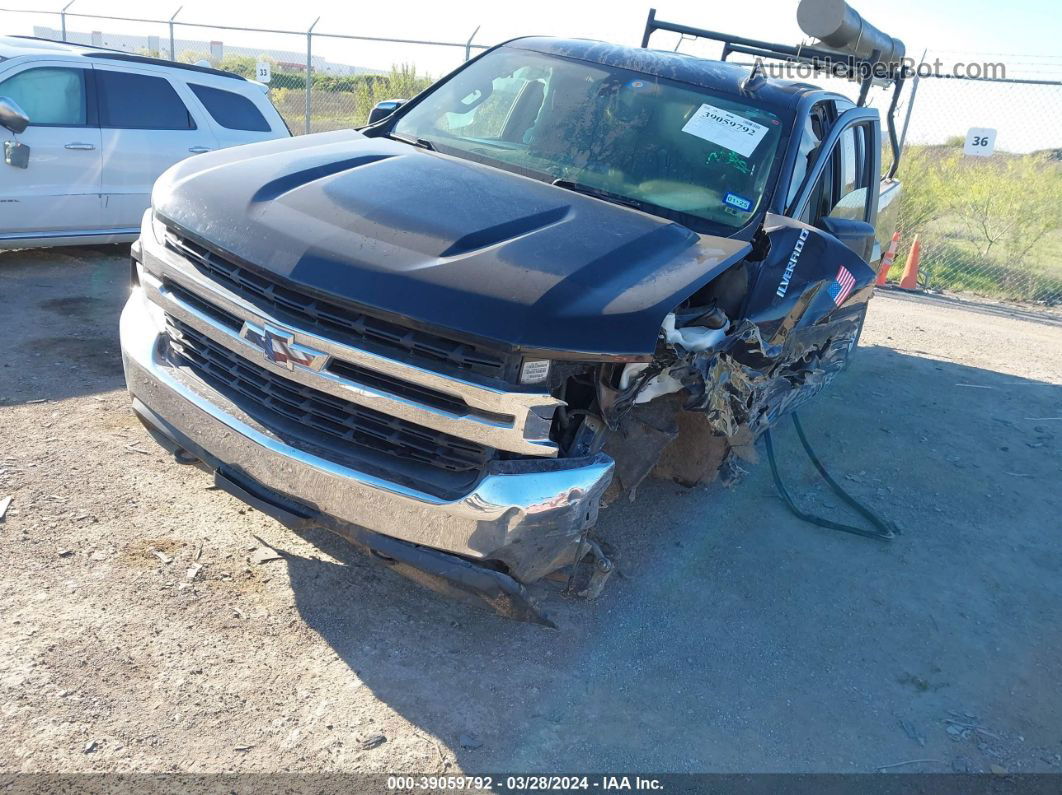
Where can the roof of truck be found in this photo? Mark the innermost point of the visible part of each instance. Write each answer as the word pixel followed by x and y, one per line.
pixel 701 72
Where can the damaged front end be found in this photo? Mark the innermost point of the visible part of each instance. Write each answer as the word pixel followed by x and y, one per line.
pixel 749 347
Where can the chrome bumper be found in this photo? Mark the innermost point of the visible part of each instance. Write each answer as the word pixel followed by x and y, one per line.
pixel 528 514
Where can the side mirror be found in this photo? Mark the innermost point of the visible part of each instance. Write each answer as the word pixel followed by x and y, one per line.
pixel 384 109
pixel 857 235
pixel 12 116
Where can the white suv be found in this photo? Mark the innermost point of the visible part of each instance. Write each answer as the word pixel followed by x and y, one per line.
pixel 102 126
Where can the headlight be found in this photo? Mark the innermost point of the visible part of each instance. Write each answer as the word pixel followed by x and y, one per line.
pixel 158 229
pixel 534 371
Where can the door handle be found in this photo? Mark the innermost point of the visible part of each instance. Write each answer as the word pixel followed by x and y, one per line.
pixel 198 150
pixel 78 145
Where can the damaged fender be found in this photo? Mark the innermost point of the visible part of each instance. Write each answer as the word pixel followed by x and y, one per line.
pixel 800 320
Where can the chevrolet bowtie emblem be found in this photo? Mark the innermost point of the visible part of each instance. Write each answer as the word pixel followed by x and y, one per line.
pixel 279 346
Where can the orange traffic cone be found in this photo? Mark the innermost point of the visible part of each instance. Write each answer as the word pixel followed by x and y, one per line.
pixel 887 260
pixel 910 270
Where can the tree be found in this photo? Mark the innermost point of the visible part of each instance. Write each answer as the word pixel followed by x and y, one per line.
pixel 928 176
pixel 1010 203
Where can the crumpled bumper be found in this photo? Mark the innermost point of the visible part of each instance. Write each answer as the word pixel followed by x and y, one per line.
pixel 528 514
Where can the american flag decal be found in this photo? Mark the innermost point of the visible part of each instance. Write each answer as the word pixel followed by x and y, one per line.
pixel 842 286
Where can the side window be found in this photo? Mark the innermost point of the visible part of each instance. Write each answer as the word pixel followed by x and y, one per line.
pixel 50 96
pixel 810 138
pixel 843 189
pixel 822 194
pixel 855 182
pixel 230 110
pixel 130 101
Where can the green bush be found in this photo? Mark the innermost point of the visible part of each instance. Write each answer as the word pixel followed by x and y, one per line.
pixel 991 226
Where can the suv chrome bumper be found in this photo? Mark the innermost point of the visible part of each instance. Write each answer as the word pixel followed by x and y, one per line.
pixel 528 514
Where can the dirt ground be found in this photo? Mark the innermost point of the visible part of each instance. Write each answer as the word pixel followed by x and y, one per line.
pixel 142 627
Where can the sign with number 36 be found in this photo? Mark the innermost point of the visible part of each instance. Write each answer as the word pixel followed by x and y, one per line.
pixel 980 141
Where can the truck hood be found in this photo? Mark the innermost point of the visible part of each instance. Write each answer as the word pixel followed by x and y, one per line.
pixel 440 242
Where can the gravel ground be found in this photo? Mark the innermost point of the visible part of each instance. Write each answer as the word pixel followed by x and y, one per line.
pixel 142 627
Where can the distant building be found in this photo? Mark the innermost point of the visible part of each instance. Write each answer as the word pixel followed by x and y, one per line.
pixel 159 47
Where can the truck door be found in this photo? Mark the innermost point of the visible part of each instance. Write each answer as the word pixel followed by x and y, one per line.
pixel 59 191
pixel 146 128
pixel 839 194
pixel 817 260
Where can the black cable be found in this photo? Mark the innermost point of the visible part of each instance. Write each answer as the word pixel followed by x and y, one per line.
pixel 884 530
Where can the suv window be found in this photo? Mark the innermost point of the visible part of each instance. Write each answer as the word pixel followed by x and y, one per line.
pixel 131 101
pixel 231 111
pixel 50 96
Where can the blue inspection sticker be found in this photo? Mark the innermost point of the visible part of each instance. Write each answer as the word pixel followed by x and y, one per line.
pixel 738 202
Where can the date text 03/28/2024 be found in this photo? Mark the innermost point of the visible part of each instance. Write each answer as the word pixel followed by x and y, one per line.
pixel 523 783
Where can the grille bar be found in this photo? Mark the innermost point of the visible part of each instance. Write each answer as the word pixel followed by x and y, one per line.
pixel 340 419
pixel 354 372
pixel 330 317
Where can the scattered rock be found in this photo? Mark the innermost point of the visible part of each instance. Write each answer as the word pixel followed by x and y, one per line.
pixel 162 556
pixel 264 555
pixel 193 570
pixel 4 504
pixel 65 553
pixel 912 731
pixel 371 741
pixel 98 555
pixel 242 747
pixel 470 741
pixel 90 746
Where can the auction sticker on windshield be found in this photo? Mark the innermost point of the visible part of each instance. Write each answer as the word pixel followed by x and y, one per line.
pixel 724 128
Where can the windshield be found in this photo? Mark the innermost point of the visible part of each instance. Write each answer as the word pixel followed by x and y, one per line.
pixel 668 148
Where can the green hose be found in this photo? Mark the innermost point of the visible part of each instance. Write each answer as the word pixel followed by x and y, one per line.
pixel 883 531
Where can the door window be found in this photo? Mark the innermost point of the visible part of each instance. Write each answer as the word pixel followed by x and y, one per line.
pixel 50 96
pixel 843 188
pixel 232 111
pixel 132 101
pixel 855 183
pixel 810 138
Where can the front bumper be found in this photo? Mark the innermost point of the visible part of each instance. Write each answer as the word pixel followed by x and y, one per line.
pixel 527 514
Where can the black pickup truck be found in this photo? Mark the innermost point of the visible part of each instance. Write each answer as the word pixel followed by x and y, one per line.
pixel 451 336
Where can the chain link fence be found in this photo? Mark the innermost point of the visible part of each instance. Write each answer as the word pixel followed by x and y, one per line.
pixel 319 80
pixel 986 225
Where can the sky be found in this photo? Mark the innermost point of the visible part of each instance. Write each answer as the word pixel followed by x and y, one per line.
pixel 954 27
pixel 1024 34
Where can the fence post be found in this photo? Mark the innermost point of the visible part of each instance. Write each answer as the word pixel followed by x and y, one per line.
pixel 910 102
pixel 62 18
pixel 910 107
pixel 468 44
pixel 309 71
pixel 173 48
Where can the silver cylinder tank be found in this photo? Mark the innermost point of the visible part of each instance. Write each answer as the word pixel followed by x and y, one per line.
pixel 840 27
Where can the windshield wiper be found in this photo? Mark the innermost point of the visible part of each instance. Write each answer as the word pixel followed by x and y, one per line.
pixel 598 193
pixel 423 143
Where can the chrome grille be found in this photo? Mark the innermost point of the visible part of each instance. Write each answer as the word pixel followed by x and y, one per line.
pixel 339 419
